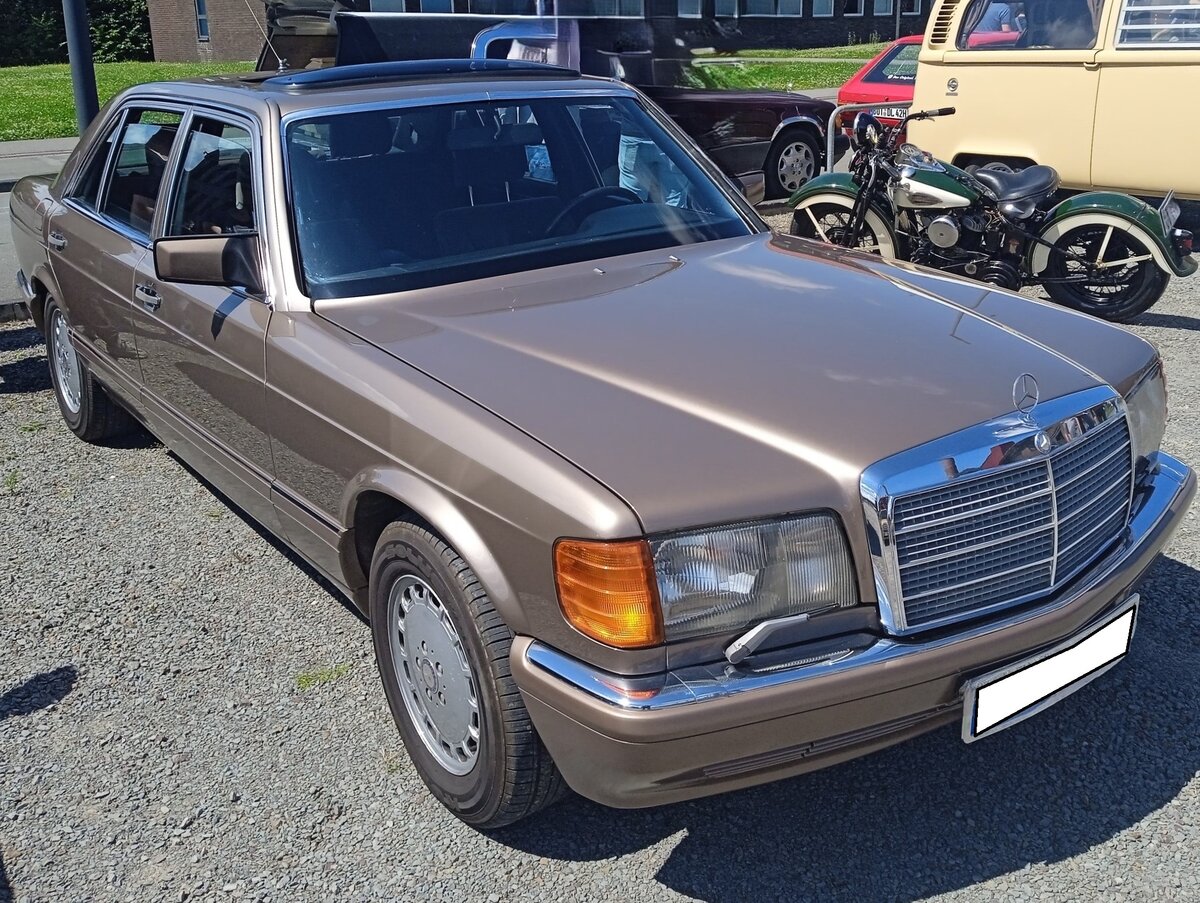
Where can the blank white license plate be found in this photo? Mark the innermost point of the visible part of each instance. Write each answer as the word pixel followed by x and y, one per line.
pixel 1001 698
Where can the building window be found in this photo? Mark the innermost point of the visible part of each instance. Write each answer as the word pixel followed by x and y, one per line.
pixel 853 8
pixel 201 20
pixel 822 7
pixel 883 7
pixel 726 9
pixel 910 7
pixel 689 9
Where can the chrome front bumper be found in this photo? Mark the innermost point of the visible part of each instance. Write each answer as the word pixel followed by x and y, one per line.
pixel 697 684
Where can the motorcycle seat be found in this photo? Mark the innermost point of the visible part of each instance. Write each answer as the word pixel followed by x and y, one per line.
pixel 1034 182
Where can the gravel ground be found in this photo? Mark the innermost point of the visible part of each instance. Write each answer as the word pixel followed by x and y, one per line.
pixel 187 712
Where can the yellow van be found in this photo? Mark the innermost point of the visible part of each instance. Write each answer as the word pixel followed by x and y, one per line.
pixel 1105 91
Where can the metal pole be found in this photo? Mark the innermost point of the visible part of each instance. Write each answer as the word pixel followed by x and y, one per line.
pixel 83 72
pixel 898 2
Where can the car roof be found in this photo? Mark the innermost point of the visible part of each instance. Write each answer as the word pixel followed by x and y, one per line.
pixel 369 83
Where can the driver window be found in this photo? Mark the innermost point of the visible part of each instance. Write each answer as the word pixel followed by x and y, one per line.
pixel 1031 25
pixel 215 193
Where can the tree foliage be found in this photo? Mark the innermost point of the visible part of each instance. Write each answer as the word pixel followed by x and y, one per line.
pixel 32 31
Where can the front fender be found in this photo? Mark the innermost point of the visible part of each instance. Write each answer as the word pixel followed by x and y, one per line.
pixel 1110 208
pixel 826 183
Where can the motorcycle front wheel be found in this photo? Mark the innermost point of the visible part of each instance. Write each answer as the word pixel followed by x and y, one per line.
pixel 828 221
pixel 1126 283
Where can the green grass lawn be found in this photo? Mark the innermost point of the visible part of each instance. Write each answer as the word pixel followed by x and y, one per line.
pixel 775 76
pixel 846 52
pixel 36 101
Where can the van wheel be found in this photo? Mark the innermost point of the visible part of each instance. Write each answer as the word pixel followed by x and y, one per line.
pixel 89 411
pixel 442 651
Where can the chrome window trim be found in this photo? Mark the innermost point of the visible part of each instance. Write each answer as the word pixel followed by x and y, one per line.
pixel 966 452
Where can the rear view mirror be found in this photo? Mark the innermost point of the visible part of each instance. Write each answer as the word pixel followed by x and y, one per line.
pixel 227 260
pixel 753 186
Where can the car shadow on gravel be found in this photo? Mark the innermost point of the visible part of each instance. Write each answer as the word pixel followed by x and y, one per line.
pixel 935 815
pixel 1167 321
pixel 38 692
pixel 5 888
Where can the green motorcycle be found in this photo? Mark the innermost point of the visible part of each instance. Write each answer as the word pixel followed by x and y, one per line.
pixel 1101 252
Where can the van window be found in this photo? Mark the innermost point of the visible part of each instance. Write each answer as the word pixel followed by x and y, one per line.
pixel 1031 25
pixel 1154 23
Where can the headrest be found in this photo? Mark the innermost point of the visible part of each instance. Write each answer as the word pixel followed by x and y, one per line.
pixel 484 138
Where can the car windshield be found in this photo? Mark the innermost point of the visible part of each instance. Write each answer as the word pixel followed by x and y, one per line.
pixel 390 200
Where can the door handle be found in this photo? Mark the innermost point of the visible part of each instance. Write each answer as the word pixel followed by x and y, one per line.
pixel 1091 66
pixel 151 299
pixel 57 241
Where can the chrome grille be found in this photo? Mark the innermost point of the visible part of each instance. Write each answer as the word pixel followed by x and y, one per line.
pixel 1011 534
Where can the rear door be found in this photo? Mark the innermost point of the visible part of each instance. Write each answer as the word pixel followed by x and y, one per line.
pixel 101 232
pixel 1149 85
pixel 202 345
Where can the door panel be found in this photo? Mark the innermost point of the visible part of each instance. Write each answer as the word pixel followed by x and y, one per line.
pixel 94 271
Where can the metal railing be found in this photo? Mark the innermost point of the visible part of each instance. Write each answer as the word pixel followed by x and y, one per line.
pixel 831 131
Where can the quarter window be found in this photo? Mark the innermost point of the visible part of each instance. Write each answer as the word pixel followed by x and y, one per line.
pixel 141 159
pixel 201 20
pixel 87 189
pixel 215 192
pixel 1155 23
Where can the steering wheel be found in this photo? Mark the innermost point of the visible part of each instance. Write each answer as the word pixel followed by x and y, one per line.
pixel 588 203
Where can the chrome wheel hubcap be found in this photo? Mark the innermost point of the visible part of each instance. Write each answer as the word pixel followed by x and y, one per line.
pixel 435 678
pixel 65 363
pixel 796 165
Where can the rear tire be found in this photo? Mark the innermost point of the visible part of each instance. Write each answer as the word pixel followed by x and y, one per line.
pixel 442 651
pixel 87 409
pixel 1134 287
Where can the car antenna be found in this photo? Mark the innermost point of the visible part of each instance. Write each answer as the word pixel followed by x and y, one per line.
pixel 282 63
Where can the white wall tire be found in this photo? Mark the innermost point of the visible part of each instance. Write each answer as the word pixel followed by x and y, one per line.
pixel 821 216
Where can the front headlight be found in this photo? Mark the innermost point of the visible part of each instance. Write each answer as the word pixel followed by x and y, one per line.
pixel 1146 412
pixel 727 578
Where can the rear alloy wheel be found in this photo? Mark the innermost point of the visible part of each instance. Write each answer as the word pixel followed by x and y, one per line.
pixel 442 651
pixel 793 160
pixel 1119 279
pixel 828 221
pixel 86 408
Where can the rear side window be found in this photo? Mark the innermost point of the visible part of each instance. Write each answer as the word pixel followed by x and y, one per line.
pixel 135 181
pixel 1031 25
pixel 899 67
pixel 87 189
pixel 1158 24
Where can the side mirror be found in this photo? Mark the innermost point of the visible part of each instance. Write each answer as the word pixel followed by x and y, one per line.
pixel 226 260
pixel 753 186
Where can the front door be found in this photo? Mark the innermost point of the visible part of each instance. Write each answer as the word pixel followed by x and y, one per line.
pixel 101 232
pixel 1023 95
pixel 203 346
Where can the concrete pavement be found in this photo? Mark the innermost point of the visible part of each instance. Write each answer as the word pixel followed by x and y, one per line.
pixel 25 158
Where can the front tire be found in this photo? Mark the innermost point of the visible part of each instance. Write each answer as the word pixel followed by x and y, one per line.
pixel 793 160
pixel 87 409
pixel 442 651
pixel 1132 282
pixel 826 218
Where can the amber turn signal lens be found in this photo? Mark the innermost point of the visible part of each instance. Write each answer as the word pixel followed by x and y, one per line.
pixel 607 591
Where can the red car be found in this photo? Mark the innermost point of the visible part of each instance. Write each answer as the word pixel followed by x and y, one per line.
pixel 889 76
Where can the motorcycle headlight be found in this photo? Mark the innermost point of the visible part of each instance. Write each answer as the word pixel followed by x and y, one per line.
pixel 727 578
pixel 1146 411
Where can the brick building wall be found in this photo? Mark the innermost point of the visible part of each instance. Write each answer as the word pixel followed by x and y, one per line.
pixel 232 32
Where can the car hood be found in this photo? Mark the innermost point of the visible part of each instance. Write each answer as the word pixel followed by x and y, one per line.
pixel 719 381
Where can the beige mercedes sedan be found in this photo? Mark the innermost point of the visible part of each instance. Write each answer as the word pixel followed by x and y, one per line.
pixel 639 498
